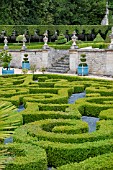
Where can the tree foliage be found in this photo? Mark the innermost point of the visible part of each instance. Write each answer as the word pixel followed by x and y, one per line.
pixel 44 12
pixel 5 59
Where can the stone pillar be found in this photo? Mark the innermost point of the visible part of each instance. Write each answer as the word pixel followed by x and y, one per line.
pixel 109 62
pixel 45 58
pixel 73 60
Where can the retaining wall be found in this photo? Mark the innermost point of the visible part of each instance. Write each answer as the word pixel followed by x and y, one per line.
pixel 100 61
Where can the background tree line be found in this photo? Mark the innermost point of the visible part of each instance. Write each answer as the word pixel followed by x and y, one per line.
pixel 56 12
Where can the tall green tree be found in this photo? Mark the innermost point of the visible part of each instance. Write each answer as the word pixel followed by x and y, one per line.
pixel 52 12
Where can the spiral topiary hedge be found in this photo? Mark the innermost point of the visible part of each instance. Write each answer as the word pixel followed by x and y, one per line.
pixel 54 127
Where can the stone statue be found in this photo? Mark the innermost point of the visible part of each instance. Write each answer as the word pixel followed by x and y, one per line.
pixel 24 40
pixel 45 39
pixel 74 39
pixel 111 37
pixel 5 41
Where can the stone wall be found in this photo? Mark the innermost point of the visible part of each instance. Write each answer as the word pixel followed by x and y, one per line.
pixel 96 60
pixel 35 57
pixel 100 61
pixel 41 58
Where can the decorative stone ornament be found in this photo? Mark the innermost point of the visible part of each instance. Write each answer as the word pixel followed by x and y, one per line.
pixel 111 37
pixel 5 42
pixel 105 20
pixel 24 40
pixel 45 39
pixel 74 39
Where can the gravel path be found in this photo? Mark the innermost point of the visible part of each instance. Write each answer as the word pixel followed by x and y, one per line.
pixel 19 71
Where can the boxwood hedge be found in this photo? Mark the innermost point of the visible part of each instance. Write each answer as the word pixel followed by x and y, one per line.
pixel 52 125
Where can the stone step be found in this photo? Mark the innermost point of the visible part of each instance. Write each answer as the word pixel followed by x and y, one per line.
pixel 57 71
pixel 66 63
pixel 60 66
pixel 63 60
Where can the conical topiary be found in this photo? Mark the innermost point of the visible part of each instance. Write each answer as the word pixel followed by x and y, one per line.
pixel 98 38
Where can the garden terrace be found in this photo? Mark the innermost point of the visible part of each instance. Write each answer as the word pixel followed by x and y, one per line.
pixel 51 127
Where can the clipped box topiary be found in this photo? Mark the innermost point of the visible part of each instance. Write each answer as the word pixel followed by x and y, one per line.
pixel 82 67
pixel 25 62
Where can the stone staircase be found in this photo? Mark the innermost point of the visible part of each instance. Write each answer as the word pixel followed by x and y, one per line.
pixel 60 66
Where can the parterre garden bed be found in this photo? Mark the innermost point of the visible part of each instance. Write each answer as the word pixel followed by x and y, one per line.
pixel 50 132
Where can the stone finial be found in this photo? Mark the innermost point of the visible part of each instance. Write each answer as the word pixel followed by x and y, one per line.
pixel 74 39
pixel 105 20
pixel 107 10
pixel 45 39
pixel 5 42
pixel 24 40
pixel 111 37
pixel 112 30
